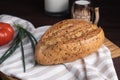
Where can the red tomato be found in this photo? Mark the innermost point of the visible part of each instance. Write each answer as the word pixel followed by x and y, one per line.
pixel 6 33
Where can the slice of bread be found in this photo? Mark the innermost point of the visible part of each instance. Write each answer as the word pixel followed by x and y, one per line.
pixel 68 40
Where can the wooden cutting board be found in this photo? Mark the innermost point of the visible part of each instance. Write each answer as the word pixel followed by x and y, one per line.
pixel 115 52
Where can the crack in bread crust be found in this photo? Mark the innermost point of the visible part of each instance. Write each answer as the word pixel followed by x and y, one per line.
pixel 68 40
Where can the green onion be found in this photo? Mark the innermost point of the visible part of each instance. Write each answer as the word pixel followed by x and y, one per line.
pixel 9 52
pixel 22 49
pixel 32 43
pixel 28 33
pixel 22 33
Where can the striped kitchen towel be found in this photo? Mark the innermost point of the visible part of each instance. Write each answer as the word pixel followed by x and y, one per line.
pixel 97 66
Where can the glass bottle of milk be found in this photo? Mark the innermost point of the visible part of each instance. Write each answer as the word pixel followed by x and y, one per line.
pixel 56 7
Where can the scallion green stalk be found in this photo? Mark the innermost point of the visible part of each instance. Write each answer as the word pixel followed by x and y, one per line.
pixel 22 33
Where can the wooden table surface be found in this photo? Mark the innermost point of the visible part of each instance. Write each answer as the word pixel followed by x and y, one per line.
pixel 33 11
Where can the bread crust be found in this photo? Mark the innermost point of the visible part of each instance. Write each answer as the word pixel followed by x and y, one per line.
pixel 68 40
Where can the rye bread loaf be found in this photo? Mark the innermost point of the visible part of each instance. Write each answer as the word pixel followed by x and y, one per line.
pixel 68 40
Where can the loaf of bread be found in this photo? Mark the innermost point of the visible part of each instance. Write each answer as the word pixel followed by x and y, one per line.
pixel 67 41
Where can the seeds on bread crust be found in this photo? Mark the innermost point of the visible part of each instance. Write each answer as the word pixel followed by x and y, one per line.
pixel 68 40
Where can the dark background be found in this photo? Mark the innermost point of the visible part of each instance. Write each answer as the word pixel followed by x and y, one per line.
pixel 33 11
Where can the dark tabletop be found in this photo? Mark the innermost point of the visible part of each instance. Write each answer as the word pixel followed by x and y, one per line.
pixel 33 11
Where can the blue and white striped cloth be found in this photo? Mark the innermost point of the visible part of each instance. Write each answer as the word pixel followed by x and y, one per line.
pixel 97 66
